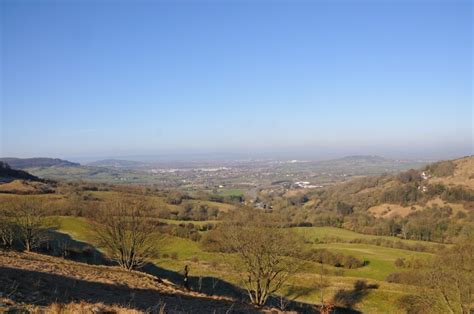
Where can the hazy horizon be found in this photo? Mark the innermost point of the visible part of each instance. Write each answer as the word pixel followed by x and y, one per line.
pixel 314 80
pixel 217 157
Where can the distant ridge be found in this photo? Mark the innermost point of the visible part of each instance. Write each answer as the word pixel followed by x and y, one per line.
pixel 8 174
pixel 41 162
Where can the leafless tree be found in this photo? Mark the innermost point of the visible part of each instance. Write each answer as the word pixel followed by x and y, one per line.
pixel 7 230
pixel 448 285
pixel 126 233
pixel 264 249
pixel 452 277
pixel 30 224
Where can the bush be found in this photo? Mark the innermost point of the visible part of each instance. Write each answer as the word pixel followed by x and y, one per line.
pixel 407 277
pixel 415 304
pixel 400 262
pixel 409 176
pixel 338 260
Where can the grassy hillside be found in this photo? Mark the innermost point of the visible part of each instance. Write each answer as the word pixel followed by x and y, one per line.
pixel 39 283
pixel 176 252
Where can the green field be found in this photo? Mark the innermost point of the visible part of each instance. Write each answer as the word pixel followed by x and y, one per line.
pixel 176 252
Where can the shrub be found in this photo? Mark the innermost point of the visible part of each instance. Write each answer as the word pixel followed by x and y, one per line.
pixel 407 277
pixel 400 262
pixel 338 260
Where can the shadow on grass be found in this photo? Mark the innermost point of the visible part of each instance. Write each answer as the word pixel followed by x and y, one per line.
pixel 216 286
pixel 62 245
pixel 349 298
pixel 44 289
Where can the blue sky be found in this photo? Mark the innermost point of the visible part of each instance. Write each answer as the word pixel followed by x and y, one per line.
pixel 313 78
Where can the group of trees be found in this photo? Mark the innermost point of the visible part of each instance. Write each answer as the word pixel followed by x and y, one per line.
pixel 185 230
pixel 190 211
pixel 324 256
pixel 23 223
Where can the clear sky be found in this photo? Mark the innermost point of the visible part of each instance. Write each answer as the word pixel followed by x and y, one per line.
pixel 320 78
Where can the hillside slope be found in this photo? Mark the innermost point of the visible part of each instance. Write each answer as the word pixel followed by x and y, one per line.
pixel 449 181
pixel 30 278
pixel 434 203
pixel 462 175
pixel 7 174
pixel 24 163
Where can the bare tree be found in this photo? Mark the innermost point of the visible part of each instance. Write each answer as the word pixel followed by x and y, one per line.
pixel 448 285
pixel 322 283
pixel 7 230
pixel 452 277
pixel 265 251
pixel 126 233
pixel 30 225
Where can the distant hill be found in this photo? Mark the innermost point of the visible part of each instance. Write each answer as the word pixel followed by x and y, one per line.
pixel 25 163
pixel 8 174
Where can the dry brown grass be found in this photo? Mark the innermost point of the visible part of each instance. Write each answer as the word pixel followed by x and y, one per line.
pixel 390 210
pixel 81 308
pixel 23 187
pixel 54 285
